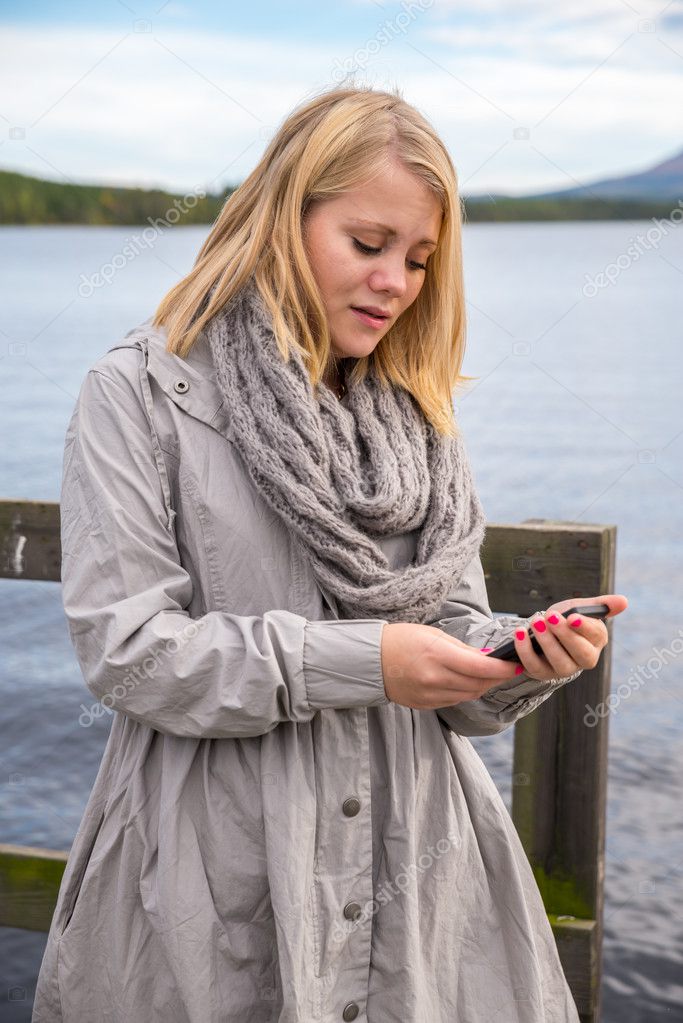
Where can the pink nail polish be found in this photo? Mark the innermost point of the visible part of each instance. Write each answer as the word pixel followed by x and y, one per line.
pixel 520 633
pixel 485 649
pixel 539 625
pixel 553 619
pixel 519 669
pixel 576 621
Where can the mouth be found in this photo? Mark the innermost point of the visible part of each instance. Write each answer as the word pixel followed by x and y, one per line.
pixel 372 318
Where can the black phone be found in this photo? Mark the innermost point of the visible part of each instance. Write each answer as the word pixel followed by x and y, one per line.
pixel 507 651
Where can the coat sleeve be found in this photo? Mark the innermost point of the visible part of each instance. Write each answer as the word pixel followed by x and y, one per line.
pixel 125 595
pixel 466 615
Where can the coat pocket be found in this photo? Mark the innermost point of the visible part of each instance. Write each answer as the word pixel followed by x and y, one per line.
pixel 74 875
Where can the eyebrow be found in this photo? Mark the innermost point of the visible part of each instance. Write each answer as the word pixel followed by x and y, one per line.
pixel 389 230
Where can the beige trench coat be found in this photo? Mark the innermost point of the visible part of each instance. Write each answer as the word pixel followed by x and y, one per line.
pixel 268 838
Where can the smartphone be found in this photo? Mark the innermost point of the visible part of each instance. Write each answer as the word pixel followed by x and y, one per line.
pixel 507 651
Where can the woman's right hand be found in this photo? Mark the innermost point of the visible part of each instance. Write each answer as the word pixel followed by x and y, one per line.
pixel 425 668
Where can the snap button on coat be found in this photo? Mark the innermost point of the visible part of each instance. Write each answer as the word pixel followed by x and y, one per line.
pixel 352 910
pixel 351 806
pixel 203 883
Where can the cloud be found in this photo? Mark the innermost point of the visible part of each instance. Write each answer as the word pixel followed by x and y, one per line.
pixel 143 108
pixel 186 108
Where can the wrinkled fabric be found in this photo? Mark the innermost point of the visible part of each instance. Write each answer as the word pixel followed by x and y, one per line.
pixel 268 838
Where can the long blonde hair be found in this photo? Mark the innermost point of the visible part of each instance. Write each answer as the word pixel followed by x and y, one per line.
pixel 330 144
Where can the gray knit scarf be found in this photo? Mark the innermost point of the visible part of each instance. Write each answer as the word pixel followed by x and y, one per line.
pixel 341 475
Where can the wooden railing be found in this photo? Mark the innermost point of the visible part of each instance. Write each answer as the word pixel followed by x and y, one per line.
pixel 560 761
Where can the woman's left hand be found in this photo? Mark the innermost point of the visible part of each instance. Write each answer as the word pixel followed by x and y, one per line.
pixel 566 647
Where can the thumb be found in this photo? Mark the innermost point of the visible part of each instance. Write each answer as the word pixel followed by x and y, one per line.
pixel 616 602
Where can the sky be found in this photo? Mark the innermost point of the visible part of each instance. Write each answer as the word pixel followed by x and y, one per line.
pixel 527 96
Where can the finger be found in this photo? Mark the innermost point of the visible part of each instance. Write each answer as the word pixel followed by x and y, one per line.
pixel 468 661
pixel 583 638
pixel 591 629
pixel 557 641
pixel 467 688
pixel 538 665
pixel 616 602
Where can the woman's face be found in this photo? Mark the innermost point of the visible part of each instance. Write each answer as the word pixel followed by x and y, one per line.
pixel 398 219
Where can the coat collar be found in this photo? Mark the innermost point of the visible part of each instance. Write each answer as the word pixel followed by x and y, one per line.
pixel 190 383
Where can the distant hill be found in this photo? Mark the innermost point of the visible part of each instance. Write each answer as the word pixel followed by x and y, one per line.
pixel 648 193
pixel 662 181
pixel 29 200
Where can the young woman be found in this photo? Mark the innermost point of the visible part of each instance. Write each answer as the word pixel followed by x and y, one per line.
pixel 271 575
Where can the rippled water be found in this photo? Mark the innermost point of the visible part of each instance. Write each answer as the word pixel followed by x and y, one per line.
pixel 576 415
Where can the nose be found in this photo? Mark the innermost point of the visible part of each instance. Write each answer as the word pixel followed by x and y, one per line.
pixel 390 276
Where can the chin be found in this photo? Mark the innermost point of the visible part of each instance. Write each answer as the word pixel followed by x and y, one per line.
pixel 358 352
pixel 355 348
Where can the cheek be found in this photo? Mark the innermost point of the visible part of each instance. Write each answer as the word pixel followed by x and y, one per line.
pixel 329 261
pixel 413 291
pixel 340 271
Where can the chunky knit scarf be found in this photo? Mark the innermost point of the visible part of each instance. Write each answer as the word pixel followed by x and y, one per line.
pixel 342 475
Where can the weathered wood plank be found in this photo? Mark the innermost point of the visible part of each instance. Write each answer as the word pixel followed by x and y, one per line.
pixel 560 762
pixel 533 564
pixel 29 885
pixel 577 944
pixel 30 546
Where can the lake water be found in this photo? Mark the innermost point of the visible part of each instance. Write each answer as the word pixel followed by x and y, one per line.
pixel 575 415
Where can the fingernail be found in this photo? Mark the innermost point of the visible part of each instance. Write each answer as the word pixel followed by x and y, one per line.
pixel 485 649
pixel 520 633
pixel 576 621
pixel 539 625
pixel 519 669
pixel 553 619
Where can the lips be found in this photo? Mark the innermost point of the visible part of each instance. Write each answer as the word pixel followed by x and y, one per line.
pixel 371 311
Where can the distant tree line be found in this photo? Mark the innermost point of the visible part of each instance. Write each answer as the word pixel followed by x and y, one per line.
pixel 502 209
pixel 27 200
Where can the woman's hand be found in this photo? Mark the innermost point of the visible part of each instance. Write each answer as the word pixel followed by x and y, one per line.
pixel 425 668
pixel 566 647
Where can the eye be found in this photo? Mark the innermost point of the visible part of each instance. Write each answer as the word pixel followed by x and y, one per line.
pixel 368 250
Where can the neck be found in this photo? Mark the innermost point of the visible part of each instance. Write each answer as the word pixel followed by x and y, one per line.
pixel 334 376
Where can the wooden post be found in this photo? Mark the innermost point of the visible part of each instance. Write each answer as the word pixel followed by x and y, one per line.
pixel 559 780
pixel 29 885
pixel 30 545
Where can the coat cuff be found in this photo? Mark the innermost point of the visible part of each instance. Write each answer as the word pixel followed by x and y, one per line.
pixel 343 663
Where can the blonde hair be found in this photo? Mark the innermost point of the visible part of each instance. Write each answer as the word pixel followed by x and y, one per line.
pixel 330 144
